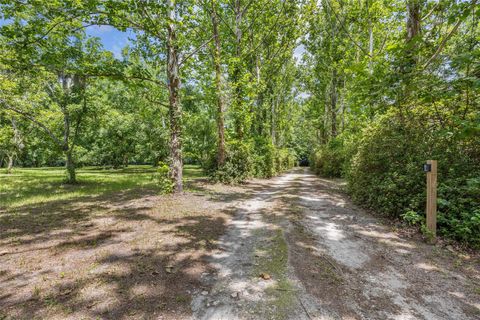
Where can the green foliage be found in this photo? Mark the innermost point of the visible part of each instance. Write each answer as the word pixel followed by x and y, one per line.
pixel 381 106
pixel 284 159
pixel 413 218
pixel 251 158
pixel 164 178
pixel 328 160
pixel 359 102
pixel 387 166
pixel 459 207
pixel 238 163
pixel 269 160
pixel 386 174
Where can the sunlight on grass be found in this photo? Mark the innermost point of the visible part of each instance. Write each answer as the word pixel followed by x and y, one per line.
pixel 30 186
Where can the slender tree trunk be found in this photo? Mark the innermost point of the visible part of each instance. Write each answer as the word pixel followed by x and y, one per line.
pixel 236 73
pixel 11 160
pixel 370 41
pixel 67 85
pixel 370 49
pixel 173 76
pixel 342 107
pixel 410 57
pixel 273 132
pixel 257 124
pixel 413 29
pixel 219 93
pixel 70 167
pixel 413 18
pixel 69 164
pixel 326 111
pixel 333 104
pixel 17 135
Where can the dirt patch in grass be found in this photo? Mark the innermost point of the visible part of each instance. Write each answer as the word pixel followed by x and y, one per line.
pixel 133 255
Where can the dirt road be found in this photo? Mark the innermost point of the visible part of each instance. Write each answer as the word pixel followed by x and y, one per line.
pixel 291 247
pixel 297 249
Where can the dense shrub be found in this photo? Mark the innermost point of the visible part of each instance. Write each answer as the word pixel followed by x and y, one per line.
pixel 386 172
pixel 238 163
pixel 250 158
pixel 284 160
pixel 164 179
pixel 328 160
pixel 264 158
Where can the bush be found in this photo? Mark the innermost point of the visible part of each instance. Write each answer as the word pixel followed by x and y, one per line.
pixel 284 160
pixel 164 178
pixel 264 159
pixel 329 159
pixel 238 163
pixel 250 158
pixel 386 174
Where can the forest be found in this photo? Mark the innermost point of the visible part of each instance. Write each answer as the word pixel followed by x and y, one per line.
pixel 112 97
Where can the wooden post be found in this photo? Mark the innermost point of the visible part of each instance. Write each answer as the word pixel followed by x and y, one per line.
pixel 432 198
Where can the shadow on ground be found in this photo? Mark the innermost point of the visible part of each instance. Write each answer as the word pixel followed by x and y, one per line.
pixel 132 254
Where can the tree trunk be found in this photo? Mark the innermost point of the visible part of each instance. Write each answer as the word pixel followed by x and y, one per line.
pixel 239 118
pixel 11 159
pixel 258 123
pixel 370 40
pixel 174 99
pixel 413 18
pixel 273 132
pixel 326 111
pixel 68 82
pixel 343 107
pixel 70 166
pixel 370 49
pixel 333 104
pixel 413 29
pixel 218 85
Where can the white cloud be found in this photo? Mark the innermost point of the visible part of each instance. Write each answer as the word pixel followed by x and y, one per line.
pixel 299 52
pixel 100 29
pixel 117 51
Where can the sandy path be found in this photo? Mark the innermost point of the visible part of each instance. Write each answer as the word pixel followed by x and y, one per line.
pixel 327 260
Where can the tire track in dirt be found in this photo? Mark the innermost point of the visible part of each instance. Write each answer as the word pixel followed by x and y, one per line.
pixel 382 276
pixel 327 260
pixel 254 244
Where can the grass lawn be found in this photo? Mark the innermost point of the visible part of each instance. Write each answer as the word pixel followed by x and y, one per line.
pixel 30 186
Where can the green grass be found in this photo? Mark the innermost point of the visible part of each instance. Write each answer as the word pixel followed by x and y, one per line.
pixel 272 258
pixel 31 186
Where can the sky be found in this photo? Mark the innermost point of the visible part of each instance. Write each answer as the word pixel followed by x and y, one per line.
pixel 112 39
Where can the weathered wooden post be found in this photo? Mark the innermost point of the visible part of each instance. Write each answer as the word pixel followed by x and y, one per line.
pixel 431 169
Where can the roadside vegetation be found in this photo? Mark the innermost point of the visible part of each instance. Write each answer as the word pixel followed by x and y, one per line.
pixel 411 97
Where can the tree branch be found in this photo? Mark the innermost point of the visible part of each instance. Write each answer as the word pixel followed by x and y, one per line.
pixel 346 31
pixel 31 118
pixel 444 41
pixel 186 57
